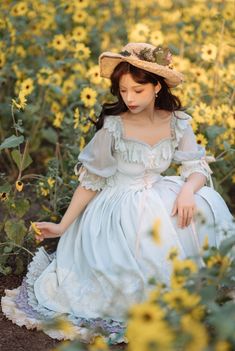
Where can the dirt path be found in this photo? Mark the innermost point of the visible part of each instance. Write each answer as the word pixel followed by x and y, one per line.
pixel 19 338
pixel 14 338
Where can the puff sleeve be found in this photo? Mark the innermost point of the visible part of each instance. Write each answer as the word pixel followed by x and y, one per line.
pixel 189 154
pixel 96 161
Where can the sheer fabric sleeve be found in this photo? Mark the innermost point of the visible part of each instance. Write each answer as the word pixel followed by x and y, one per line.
pixel 96 162
pixel 191 155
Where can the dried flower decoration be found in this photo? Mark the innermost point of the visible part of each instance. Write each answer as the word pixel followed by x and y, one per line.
pixel 160 55
pixel 125 53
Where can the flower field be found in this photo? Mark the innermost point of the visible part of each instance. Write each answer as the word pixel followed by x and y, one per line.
pixel 51 92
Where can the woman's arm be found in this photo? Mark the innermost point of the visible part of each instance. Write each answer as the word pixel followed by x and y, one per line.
pixel 79 201
pixel 185 203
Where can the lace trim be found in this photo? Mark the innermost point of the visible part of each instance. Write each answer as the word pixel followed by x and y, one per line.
pixel 133 151
pixel 201 166
pixel 87 179
pixel 181 122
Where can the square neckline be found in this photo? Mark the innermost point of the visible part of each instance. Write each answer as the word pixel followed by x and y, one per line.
pixel 151 147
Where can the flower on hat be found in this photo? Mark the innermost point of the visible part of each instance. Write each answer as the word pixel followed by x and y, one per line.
pixel 160 55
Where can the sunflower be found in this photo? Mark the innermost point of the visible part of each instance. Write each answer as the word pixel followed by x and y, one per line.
pixel 139 33
pixel 19 185
pixel 21 101
pixel 2 59
pixel 156 37
pixel 79 16
pixel 76 118
pixel 79 33
pixel 59 42
pixel 27 86
pixel 35 228
pixel 82 52
pixel 201 113
pixel 181 299
pixel 146 312
pixel 59 116
pixel 198 337
pixel 201 139
pixel 81 3
pixel 94 75
pixel 98 344
pixel 4 196
pixel 209 52
pixel 19 9
pixel 88 97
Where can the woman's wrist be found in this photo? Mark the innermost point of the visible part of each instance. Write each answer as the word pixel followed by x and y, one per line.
pixel 188 187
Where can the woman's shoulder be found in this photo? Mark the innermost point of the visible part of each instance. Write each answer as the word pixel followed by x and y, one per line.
pixel 182 115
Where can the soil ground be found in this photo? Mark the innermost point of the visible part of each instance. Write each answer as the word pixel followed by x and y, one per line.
pixel 14 338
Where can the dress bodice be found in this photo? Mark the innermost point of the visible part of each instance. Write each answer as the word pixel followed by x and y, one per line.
pixel 112 159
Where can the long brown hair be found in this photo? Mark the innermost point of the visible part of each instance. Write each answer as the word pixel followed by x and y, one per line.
pixel 165 99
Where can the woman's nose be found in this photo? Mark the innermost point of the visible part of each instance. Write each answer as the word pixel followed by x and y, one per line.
pixel 130 96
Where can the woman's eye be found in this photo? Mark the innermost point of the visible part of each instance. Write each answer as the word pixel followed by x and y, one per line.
pixel 122 91
pixel 139 91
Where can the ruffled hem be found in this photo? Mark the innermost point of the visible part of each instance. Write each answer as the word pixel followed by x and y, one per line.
pixel 22 308
pixel 20 318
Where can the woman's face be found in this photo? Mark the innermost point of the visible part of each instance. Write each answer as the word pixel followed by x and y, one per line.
pixel 137 97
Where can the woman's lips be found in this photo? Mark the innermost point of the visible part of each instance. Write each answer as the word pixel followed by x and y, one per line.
pixel 132 107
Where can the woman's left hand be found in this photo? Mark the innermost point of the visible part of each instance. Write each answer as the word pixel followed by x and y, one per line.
pixel 185 206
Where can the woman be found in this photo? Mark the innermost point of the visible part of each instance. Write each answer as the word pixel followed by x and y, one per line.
pixel 106 255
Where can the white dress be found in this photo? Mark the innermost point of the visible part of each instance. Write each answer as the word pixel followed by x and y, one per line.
pixel 106 257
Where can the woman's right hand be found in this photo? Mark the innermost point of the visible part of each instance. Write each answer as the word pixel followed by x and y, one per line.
pixel 47 230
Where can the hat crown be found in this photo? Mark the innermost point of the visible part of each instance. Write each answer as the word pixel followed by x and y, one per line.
pixel 147 52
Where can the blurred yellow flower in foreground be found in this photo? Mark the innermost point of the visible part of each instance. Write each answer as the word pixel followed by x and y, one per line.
pixel 181 299
pixel 156 231
pixel 197 332
pixel 98 344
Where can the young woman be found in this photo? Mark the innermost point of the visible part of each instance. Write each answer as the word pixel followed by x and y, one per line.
pixel 106 254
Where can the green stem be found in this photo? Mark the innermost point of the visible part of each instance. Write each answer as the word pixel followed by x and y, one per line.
pixel 14 244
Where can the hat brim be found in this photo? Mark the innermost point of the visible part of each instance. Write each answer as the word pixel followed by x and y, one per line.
pixel 109 60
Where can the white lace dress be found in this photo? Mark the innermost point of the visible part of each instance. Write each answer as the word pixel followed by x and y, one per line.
pixel 106 257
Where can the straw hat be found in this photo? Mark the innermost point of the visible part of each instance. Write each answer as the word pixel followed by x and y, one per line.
pixel 146 56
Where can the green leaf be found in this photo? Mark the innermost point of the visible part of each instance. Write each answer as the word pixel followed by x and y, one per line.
pixel 19 265
pixel 15 230
pixel 213 131
pixel 17 156
pixel 50 135
pixel 227 245
pixel 5 188
pixel 11 142
pixel 21 207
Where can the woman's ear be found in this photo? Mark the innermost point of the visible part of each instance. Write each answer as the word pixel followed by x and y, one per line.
pixel 157 88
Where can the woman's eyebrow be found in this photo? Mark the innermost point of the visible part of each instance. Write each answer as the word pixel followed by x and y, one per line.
pixel 134 86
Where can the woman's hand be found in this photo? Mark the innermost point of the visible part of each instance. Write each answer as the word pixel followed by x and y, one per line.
pixel 185 206
pixel 45 230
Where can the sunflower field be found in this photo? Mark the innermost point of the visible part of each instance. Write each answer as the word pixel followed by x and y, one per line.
pixel 51 92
